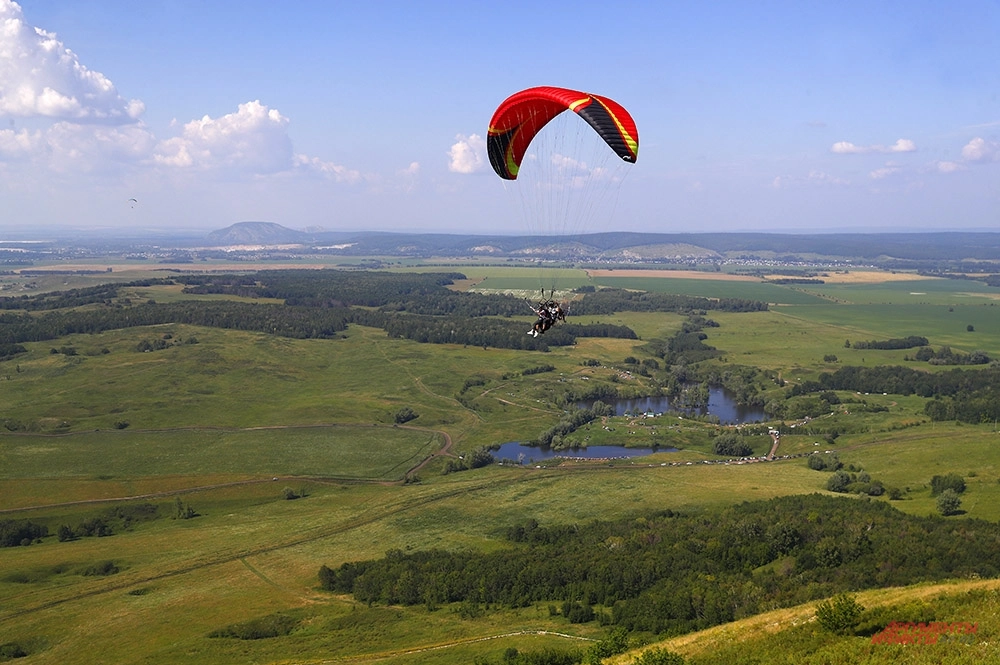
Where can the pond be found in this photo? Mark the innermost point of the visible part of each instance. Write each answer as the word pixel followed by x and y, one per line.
pixel 522 454
pixel 721 403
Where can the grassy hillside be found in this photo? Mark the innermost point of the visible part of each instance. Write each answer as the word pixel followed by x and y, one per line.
pixel 793 636
pixel 212 424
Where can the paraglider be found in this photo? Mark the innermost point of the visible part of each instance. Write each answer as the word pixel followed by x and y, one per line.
pixel 132 203
pixel 521 116
pixel 548 312
pixel 562 174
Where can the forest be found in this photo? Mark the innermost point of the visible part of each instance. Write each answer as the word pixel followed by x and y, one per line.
pixel 963 395
pixel 670 573
pixel 320 304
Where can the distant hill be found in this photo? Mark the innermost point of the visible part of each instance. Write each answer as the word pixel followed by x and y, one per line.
pixel 258 233
pixel 903 250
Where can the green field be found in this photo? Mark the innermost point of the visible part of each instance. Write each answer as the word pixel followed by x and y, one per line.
pixel 343 451
pixel 710 288
pixel 935 291
pixel 227 424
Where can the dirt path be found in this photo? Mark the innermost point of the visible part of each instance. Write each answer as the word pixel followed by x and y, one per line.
pixel 228 556
pixel 443 451
pixel 367 658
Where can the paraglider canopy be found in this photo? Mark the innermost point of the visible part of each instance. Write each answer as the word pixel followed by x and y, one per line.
pixel 522 115
pixel 132 203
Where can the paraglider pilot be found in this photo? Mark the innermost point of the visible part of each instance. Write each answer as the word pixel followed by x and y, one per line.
pixel 548 313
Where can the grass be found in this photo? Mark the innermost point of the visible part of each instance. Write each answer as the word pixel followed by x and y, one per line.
pixel 942 325
pixel 342 451
pixel 708 288
pixel 211 423
pixel 791 636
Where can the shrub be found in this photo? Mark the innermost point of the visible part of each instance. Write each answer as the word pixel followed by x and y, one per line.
pixel 11 650
pixel 948 502
pixel 102 569
pixel 405 415
pixel 838 482
pixel 731 445
pixel 274 625
pixel 840 614
pixel 952 481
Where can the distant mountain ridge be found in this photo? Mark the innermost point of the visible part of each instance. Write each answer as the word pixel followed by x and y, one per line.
pixel 258 233
pixel 627 246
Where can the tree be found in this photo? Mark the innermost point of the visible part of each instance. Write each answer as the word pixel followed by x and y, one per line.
pixel 948 502
pixel 951 481
pixel 615 643
pixel 183 511
pixel 731 445
pixel 840 614
pixel 838 482
pixel 405 415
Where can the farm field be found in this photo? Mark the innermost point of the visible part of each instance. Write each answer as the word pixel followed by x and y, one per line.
pixel 714 288
pixel 230 424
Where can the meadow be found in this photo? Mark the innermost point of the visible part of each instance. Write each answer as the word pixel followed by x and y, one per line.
pixel 227 424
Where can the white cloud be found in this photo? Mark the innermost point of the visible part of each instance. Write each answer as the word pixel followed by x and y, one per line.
pixel 949 167
pixel 903 145
pixel 330 170
pixel 94 130
pixel 40 77
pixel 981 150
pixel 408 177
pixel 848 148
pixel 884 172
pixel 18 145
pixel 71 147
pixel 254 139
pixel 823 178
pixel 467 154
pixel 814 177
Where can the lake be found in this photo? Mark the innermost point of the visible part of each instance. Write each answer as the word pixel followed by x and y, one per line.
pixel 720 403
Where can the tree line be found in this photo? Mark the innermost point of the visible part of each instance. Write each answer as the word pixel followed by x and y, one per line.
pixel 910 342
pixel 964 395
pixel 321 304
pixel 670 573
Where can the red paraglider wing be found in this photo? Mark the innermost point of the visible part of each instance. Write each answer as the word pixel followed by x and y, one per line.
pixel 522 115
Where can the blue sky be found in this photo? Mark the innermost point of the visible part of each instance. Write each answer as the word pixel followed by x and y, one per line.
pixel 764 116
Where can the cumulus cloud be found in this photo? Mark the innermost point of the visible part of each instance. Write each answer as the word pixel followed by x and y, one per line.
pixel 848 148
pixel 326 169
pixel 94 129
pixel 467 154
pixel 254 139
pixel 884 172
pixel 981 150
pixel 948 167
pixel 408 177
pixel 20 145
pixel 40 77
pixel 72 147
pixel 814 177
